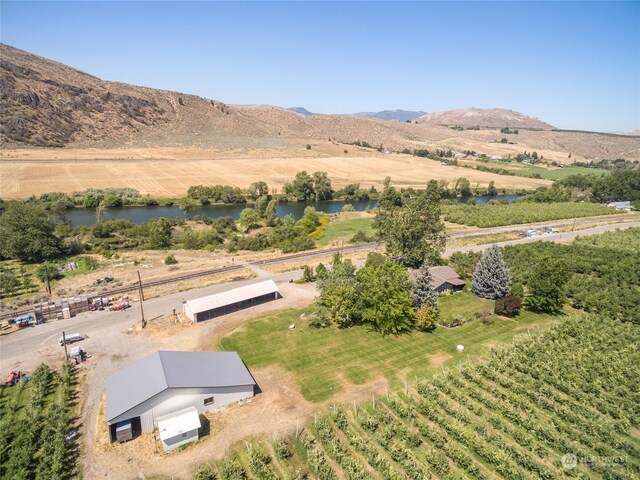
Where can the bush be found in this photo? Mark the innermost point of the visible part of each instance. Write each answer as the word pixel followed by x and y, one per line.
pixel 360 237
pixel 308 147
pixel 426 318
pixel 508 306
pixel 321 318
pixel 348 208
pixel 170 260
pixel 307 274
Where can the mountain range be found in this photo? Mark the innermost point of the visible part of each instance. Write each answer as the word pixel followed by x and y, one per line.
pixel 44 103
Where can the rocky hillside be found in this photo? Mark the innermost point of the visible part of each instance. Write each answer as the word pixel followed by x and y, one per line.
pixel 484 117
pixel 44 103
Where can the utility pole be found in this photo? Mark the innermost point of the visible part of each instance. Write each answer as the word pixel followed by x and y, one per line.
pixel 64 342
pixel 144 322
pixel 46 278
pixel 141 289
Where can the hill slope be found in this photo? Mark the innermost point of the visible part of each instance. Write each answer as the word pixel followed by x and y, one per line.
pixel 484 117
pixel 45 103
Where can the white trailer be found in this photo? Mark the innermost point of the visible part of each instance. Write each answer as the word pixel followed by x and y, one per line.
pixel 72 338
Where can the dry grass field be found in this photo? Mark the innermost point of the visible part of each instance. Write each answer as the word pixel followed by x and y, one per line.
pixel 157 174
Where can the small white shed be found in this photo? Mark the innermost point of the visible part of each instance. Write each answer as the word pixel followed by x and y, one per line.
pixel 178 428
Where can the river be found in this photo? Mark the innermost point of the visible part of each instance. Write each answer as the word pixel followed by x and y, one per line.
pixel 87 216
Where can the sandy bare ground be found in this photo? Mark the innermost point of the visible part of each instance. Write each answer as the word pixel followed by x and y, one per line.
pixel 170 177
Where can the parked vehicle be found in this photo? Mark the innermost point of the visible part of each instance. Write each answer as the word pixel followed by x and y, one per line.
pixel 72 338
pixel 25 321
pixel 119 306
pixel 13 378
pixel 78 354
pixel 104 280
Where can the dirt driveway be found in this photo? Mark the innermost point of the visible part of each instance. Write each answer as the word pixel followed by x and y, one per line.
pixel 273 411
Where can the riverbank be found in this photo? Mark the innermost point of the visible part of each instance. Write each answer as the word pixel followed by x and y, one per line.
pixel 80 216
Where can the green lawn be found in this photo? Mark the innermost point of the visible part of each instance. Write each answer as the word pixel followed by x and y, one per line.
pixel 560 173
pixel 339 229
pixel 325 360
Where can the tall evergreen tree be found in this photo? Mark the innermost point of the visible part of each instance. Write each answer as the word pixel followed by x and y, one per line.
pixel 423 293
pixel 491 276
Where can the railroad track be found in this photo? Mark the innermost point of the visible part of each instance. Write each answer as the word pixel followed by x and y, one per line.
pixel 205 273
pixel 329 251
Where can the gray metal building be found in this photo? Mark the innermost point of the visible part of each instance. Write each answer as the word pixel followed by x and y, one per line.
pixel 166 382
pixel 212 306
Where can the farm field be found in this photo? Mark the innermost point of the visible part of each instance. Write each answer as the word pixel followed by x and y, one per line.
pixel 522 169
pixel 623 240
pixel 325 360
pixel 532 410
pixel 560 173
pixel 172 178
pixel 36 418
pixel 521 212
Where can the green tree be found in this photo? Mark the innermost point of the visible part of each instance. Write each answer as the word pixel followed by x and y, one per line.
pixel 491 189
pixel 463 187
pixel 270 213
pixel 547 287
pixel 307 274
pixel 491 275
pixel 338 293
pixel 309 221
pixel 423 293
pixel 8 283
pixel 413 231
pixel 101 209
pixel 160 233
pixel 426 318
pixel 187 205
pixel 433 191
pixel 258 189
pixel 384 298
pixel 302 187
pixel 390 197
pixel 261 205
pixel 59 210
pixel 322 186
pixel 249 218
pixel 48 270
pixel 321 270
pixel 27 233
pixel 464 263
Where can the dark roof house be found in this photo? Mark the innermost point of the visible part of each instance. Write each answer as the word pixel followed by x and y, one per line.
pixel 443 279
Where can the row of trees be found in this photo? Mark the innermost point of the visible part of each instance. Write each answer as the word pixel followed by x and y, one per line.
pixel 620 184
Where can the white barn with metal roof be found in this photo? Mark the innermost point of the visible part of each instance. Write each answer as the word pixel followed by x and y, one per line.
pixel 166 382
pixel 206 308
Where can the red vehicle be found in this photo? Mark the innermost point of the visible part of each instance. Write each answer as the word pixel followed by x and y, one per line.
pixel 119 306
pixel 13 378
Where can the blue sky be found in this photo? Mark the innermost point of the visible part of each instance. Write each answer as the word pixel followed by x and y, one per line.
pixel 572 64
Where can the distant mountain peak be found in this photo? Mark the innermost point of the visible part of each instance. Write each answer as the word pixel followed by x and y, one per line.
pixel 301 111
pixel 399 115
pixel 485 117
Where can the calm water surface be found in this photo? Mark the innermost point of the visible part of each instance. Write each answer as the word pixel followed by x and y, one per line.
pixel 87 216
